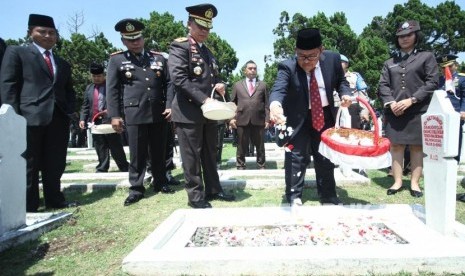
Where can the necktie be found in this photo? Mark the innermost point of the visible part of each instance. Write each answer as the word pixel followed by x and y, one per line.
pixel 95 108
pixel 48 60
pixel 204 52
pixel 318 119
pixel 250 87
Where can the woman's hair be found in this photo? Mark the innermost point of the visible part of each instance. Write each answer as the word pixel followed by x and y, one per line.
pixel 418 38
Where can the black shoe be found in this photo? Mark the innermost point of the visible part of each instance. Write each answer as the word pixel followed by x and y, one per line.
pixel 330 200
pixel 64 204
pixel 133 198
pixel 199 204
pixel 98 171
pixel 393 191
pixel 415 193
pixel 163 189
pixel 220 196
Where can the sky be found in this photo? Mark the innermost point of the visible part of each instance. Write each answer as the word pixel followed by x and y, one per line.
pixel 246 25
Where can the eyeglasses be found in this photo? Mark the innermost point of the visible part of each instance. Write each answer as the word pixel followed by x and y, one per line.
pixel 46 32
pixel 309 58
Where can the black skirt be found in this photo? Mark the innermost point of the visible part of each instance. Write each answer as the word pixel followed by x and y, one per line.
pixel 404 129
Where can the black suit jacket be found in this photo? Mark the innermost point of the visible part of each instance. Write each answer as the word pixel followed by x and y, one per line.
pixel 193 79
pixel 87 112
pixel 27 85
pixel 291 87
pixel 141 87
pixel 254 108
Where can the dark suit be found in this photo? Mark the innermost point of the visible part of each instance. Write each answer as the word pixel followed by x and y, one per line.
pixel 291 90
pixel 140 86
pixel 103 143
pixel 194 75
pixel 2 52
pixel 45 101
pixel 251 115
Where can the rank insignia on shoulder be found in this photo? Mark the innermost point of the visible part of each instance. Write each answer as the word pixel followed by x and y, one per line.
pixel 115 53
pixel 461 74
pixel 181 39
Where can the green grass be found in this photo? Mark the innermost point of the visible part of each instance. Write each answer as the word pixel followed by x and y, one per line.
pixel 101 232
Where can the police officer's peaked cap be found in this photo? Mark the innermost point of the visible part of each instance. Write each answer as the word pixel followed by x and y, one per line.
pixel 203 14
pixel 307 39
pixel 446 60
pixel 407 27
pixel 96 68
pixel 130 28
pixel 41 20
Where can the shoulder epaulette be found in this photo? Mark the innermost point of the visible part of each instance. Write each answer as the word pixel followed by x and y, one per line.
pixel 181 39
pixel 115 53
pixel 155 52
pixel 462 74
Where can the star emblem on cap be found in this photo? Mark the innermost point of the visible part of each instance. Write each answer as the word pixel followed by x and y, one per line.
pixel 209 14
pixel 129 27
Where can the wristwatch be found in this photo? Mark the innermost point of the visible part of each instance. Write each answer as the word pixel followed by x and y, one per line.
pixel 414 100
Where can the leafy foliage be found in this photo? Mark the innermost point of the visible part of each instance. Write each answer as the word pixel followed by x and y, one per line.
pixel 224 53
pixel 442 27
pixel 80 52
pixel 160 30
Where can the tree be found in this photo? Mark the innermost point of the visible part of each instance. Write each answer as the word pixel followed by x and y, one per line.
pixel 336 33
pixel 160 30
pixel 80 52
pixel 75 22
pixel 443 29
pixel 224 53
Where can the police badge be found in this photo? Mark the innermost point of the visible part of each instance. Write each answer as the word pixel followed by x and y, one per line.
pixel 198 70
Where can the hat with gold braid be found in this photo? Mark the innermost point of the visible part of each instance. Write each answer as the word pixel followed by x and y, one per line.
pixel 129 28
pixel 203 14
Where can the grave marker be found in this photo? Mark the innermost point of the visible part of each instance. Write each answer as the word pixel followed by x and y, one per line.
pixel 12 170
pixel 440 126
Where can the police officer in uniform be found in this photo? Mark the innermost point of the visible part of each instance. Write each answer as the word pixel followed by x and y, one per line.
pixel 138 81
pixel 456 94
pixel 194 72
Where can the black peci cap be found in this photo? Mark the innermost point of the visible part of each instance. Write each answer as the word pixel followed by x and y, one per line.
pixel 203 14
pixel 129 28
pixel 307 39
pixel 41 20
pixel 96 69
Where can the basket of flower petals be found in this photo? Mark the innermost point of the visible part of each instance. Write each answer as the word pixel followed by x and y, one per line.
pixel 100 128
pixel 354 147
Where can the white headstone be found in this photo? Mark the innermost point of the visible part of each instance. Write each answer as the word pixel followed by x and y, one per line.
pixel 12 170
pixel 440 126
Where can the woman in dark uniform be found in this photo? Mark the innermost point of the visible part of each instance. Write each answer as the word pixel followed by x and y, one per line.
pixel 406 86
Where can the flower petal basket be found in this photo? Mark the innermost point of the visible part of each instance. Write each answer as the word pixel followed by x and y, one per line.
pixel 101 128
pixel 354 147
pixel 216 110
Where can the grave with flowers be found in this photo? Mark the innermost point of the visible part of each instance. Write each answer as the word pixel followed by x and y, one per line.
pixel 320 240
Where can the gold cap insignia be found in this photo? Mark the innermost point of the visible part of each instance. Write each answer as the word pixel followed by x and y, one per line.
pixel 130 27
pixel 209 14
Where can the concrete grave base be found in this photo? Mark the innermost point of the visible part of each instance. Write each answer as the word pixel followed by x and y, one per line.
pixel 164 252
pixel 36 225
